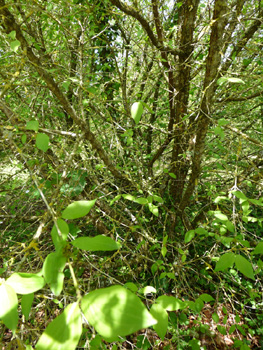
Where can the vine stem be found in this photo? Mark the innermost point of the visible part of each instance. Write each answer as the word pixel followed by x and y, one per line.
pixel 75 282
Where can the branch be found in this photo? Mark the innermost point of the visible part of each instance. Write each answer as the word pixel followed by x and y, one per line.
pixel 135 14
pixel 245 136
pixel 233 99
pixel 9 24
pixel 243 41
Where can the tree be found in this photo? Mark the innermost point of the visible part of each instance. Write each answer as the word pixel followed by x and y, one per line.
pixel 151 108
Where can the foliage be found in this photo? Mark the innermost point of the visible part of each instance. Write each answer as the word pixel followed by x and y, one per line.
pixel 131 174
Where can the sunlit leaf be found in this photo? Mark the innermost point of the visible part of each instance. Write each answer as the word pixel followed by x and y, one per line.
pixel 52 270
pixel 78 209
pixel 25 283
pixel 63 332
pixel 32 125
pixel 170 303
pixel 115 311
pixel 26 303
pixel 97 243
pixel 153 209
pixel 220 216
pixel 136 111
pixel 161 316
pixel 224 80
pixel 8 306
pixel 12 34
pixel 15 45
pixel 64 230
pixel 42 142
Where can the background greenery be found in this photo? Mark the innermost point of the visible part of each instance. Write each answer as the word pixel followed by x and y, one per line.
pixel 152 110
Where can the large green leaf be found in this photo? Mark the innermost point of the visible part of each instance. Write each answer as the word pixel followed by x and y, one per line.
pixel 63 332
pixel 161 316
pixel 115 311
pixel 32 125
pixel 225 261
pixel 26 303
pixel 244 266
pixel 153 209
pixel 136 111
pixel 25 283
pixel 189 236
pixel 78 209
pixel 15 45
pixel 8 306
pixel 53 271
pixel 170 303
pixel 42 142
pixel 258 249
pixel 96 243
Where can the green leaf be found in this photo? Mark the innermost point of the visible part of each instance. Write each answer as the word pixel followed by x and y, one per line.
pixel 224 80
pixel 8 306
pixel 64 230
pixel 230 226
pixel 136 111
pixel 26 303
pixel 25 283
pixel 201 231
pixel 206 298
pixel 162 317
pixel 239 195
pixel 15 45
pixel 32 125
pixel 221 329
pixel 256 202
pixel 173 176
pixel 244 266
pixel 189 236
pixel 63 332
pixel 129 197
pixel 199 304
pixel 12 34
pixel 115 311
pixel 215 317
pixel 52 270
pixel 23 139
pixel 42 141
pixel 225 261
pixel 232 329
pixel 131 286
pixel 153 209
pixel 78 209
pixel 158 199
pixel 222 122
pixel 258 249
pixel 141 200
pixel 96 243
pixel 163 251
pixel 66 84
pixel 194 343
pixel 220 216
pixel 219 131
pixel 170 303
